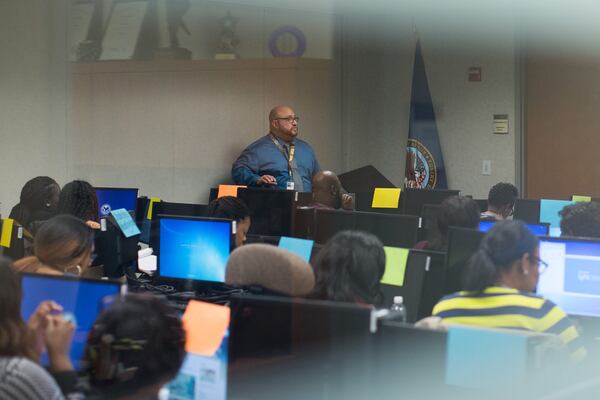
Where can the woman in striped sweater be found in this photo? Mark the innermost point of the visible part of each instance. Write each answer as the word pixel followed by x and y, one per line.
pixel 498 284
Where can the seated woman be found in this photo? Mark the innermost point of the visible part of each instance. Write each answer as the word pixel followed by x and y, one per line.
pixel 229 207
pixel 267 269
pixel 78 198
pixel 134 348
pixel 38 202
pixel 63 244
pixel 499 282
pixel 349 268
pixel 454 211
pixel 21 375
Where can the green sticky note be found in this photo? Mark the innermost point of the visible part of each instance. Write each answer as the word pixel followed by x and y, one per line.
pixel 386 198
pixel 581 199
pixel 395 266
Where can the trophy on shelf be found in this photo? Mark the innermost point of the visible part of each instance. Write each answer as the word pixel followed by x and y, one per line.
pixel 174 11
pixel 228 40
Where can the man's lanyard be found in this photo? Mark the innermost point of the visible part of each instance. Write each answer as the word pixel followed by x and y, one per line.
pixel 289 157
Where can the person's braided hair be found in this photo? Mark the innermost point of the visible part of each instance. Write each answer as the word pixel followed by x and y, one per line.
pixel 79 198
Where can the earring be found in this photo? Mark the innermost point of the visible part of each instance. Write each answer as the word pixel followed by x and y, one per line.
pixel 525 271
pixel 48 204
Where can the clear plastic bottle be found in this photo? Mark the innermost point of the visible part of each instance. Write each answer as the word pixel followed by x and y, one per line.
pixel 398 309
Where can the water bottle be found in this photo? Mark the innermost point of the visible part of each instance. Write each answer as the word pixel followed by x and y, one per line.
pixel 398 310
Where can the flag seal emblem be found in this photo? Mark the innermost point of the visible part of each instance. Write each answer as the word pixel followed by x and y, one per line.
pixel 424 172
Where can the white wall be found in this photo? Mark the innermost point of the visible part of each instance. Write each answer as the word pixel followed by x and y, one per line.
pixel 376 93
pixel 375 76
pixel 31 141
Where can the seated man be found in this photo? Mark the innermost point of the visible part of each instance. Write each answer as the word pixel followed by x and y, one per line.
pixel 327 192
pixel 501 202
pixel 279 158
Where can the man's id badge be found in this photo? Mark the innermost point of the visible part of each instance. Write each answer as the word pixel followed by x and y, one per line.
pixel 290 185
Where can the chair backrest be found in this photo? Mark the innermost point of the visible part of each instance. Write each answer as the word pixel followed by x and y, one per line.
pixel 416 266
pixel 462 244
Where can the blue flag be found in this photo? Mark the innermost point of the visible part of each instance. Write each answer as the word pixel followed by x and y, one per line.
pixel 424 160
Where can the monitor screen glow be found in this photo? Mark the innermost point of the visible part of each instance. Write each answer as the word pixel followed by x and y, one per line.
pixel 195 249
pixel 114 198
pixel 536 229
pixel 572 279
pixel 82 302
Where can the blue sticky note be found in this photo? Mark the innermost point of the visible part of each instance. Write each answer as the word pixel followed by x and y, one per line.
pixel 300 247
pixel 484 358
pixel 549 210
pixel 125 222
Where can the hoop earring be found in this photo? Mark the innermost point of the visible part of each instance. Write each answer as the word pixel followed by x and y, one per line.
pixel 77 267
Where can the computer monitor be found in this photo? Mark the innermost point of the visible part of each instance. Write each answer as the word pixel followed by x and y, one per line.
pixel 82 301
pixel 113 250
pixel 541 229
pixel 170 208
pixel 412 200
pixel 115 198
pixel 549 213
pixel 462 244
pixel 527 210
pixel 572 279
pixel 270 209
pixel 193 248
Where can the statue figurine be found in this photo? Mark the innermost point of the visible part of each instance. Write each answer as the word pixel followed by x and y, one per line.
pixel 228 39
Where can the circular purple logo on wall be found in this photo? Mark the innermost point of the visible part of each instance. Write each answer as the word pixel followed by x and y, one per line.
pixel 282 31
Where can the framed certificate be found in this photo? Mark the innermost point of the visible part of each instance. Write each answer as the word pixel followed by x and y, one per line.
pixel 123 29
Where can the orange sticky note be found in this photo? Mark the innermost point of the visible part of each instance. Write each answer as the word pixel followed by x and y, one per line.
pixel 228 190
pixel 205 325
pixel 386 198
pixel 152 201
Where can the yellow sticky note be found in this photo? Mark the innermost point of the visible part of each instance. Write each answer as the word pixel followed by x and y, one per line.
pixel 228 190
pixel 395 265
pixel 152 201
pixel 205 325
pixel 7 227
pixel 386 198
pixel 581 199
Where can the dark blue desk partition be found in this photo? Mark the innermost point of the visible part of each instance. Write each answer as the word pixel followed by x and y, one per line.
pixel 282 348
pixel 392 230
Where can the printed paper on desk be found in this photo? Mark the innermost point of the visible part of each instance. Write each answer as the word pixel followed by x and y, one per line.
pixel 228 190
pixel 386 198
pixel 125 222
pixel 151 205
pixel 205 325
pixel 7 227
pixel 581 199
pixel 395 266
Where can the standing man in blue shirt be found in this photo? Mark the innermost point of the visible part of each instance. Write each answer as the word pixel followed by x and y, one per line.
pixel 279 158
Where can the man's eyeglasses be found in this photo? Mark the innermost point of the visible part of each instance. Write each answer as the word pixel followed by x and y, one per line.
pixel 542 265
pixel 290 119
